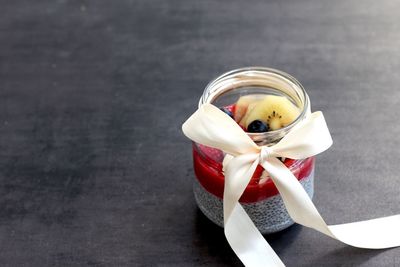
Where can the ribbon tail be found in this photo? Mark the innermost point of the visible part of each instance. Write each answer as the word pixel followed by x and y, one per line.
pixel 373 234
pixel 247 242
pixel 241 233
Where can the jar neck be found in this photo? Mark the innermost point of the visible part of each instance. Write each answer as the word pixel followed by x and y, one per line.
pixel 227 88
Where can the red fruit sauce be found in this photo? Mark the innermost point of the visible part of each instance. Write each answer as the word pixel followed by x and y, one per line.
pixel 208 169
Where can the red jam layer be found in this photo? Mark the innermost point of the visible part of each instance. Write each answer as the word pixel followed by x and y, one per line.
pixel 208 169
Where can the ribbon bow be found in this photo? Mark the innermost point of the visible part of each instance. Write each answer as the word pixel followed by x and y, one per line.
pixel 212 127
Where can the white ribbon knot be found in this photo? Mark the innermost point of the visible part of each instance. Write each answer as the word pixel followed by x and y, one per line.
pixel 212 127
pixel 265 153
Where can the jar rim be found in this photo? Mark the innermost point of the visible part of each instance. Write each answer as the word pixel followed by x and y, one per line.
pixel 285 77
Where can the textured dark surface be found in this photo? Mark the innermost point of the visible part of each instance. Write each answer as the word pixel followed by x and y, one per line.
pixel 94 169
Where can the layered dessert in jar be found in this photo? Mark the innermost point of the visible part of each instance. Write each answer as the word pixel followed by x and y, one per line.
pixel 266 104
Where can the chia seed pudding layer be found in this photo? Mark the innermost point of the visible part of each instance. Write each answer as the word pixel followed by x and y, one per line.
pixel 269 215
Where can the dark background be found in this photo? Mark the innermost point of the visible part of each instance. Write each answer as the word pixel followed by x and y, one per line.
pixel 94 169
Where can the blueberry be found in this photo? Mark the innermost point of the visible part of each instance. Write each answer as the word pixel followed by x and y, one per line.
pixel 229 113
pixel 257 127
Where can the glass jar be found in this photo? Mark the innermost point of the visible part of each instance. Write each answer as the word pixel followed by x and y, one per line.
pixel 261 199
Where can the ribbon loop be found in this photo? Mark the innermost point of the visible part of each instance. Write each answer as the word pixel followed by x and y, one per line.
pixel 308 138
pixel 212 127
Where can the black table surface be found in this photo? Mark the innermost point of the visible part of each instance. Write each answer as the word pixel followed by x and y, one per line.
pixel 94 168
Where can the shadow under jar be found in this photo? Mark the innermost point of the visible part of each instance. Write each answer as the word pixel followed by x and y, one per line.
pixel 261 199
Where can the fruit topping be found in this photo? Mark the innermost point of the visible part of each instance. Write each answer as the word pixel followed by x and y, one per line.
pixel 242 105
pixel 257 126
pixel 275 111
pixel 251 106
pixel 227 112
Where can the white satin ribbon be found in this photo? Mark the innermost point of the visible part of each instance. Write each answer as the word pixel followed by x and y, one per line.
pixel 212 127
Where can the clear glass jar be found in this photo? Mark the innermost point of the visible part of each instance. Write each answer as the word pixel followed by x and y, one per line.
pixel 261 199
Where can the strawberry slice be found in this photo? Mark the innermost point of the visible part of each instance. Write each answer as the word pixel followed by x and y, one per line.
pixel 231 108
